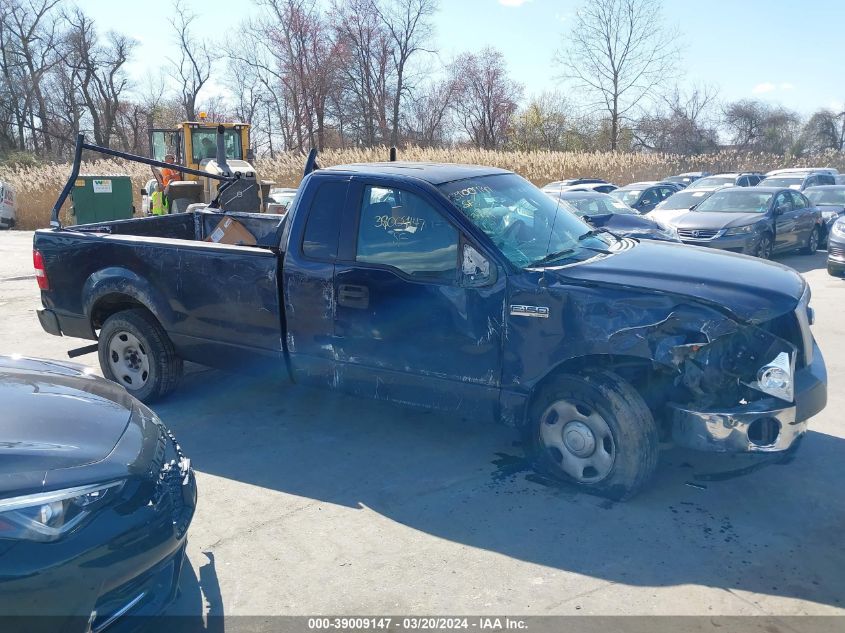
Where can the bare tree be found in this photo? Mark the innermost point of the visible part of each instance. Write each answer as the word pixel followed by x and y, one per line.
pixel 682 123
pixel 428 123
pixel 620 52
pixel 486 97
pixel 825 130
pixel 755 125
pixel 408 24
pixel 29 39
pixel 192 69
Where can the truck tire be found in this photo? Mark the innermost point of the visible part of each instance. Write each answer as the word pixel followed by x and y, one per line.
pixel 812 242
pixel 136 352
pixel 594 430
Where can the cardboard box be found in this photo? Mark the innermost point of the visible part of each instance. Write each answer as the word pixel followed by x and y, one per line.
pixel 230 231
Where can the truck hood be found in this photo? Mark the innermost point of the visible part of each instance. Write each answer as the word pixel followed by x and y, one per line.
pixel 55 416
pixel 753 290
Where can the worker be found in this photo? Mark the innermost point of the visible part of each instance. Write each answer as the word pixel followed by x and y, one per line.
pixel 169 175
pixel 158 201
pixel 208 148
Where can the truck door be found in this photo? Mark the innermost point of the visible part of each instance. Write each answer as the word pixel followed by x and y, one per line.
pixel 308 280
pixel 409 325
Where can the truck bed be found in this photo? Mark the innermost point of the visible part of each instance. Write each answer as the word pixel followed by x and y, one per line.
pixel 219 303
pixel 195 226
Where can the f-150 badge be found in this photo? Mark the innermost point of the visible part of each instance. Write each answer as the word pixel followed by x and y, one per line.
pixel 541 312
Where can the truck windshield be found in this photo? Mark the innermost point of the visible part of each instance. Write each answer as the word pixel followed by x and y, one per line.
pixel 204 143
pixel 528 226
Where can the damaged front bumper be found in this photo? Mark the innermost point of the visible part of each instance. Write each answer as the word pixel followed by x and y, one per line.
pixel 761 426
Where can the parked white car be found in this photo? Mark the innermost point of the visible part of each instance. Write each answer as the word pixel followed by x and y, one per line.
pixel 146 192
pixel 8 206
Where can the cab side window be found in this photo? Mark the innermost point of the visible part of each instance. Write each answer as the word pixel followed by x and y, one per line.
pixel 400 229
pixel 322 228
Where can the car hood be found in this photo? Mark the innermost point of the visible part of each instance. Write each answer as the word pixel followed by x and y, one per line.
pixel 666 216
pixel 55 416
pixel 628 225
pixel 715 219
pixel 753 290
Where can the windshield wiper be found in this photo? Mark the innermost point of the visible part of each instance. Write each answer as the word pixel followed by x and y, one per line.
pixel 593 233
pixel 550 257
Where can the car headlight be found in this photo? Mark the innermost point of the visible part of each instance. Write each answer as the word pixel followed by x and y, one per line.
pixel 48 516
pixel 775 378
pixel 670 231
pixel 839 228
pixel 740 230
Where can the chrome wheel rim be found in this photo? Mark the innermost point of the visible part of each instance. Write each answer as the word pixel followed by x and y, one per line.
pixel 578 440
pixel 128 360
pixel 814 241
pixel 763 251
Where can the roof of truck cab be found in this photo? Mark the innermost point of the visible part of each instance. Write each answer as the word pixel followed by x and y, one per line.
pixel 434 173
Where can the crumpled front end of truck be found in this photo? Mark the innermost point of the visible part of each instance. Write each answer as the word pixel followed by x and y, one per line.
pixel 731 386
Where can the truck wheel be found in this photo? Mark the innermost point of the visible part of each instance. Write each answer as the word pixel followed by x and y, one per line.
pixel 136 352
pixel 596 430
pixel 812 242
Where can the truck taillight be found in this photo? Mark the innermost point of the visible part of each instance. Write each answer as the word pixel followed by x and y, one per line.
pixel 40 273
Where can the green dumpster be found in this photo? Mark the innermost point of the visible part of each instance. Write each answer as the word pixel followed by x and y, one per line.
pixel 101 198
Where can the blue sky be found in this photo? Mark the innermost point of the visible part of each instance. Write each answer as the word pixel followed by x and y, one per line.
pixel 782 51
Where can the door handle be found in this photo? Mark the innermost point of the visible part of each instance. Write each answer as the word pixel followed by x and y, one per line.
pixel 352 296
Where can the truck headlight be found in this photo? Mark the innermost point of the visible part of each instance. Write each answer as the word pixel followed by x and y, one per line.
pixel 839 228
pixel 739 230
pixel 47 516
pixel 775 378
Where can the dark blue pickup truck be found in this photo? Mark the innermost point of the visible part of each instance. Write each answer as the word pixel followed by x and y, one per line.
pixel 459 288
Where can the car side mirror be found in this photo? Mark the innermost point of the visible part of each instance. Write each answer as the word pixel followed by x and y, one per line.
pixel 476 269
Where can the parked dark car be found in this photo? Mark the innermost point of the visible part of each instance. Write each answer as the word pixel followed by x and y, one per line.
pixel 602 211
pixel 687 178
pixel 799 180
pixel 836 249
pixel 460 288
pixel 645 196
pixel 95 499
pixel 753 220
pixel 830 201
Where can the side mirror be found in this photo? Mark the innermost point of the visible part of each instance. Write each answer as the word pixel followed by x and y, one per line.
pixel 476 269
pixel 250 155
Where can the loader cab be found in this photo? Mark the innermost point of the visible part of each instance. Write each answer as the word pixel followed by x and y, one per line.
pixel 194 143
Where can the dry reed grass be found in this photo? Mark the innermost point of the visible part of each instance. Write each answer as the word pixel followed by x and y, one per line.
pixel 38 187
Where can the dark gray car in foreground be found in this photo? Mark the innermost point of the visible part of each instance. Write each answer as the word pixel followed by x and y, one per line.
pixel 95 501
pixel 753 220
pixel 830 201
pixel 836 249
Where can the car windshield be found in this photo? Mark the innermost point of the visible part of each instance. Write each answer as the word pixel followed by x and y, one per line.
pixel 529 227
pixel 783 181
pixel 715 181
pixel 628 196
pixel 597 205
pixel 827 196
pixel 683 200
pixel 737 201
